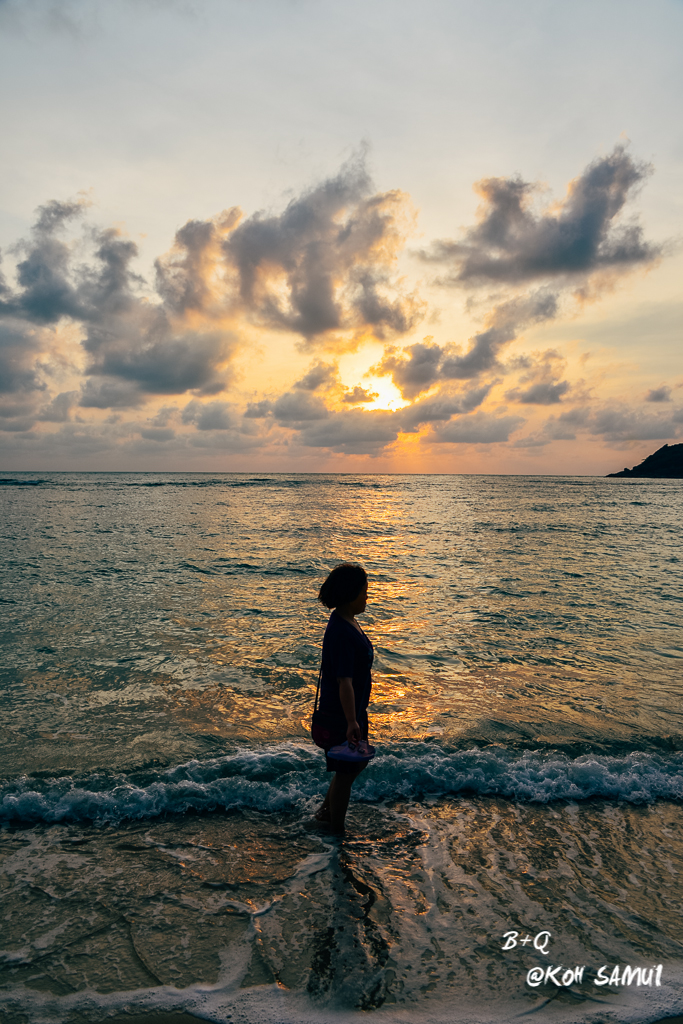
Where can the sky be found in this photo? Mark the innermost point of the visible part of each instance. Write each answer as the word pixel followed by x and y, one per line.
pixel 320 236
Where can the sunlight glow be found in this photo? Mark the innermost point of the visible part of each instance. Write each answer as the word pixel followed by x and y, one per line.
pixel 388 395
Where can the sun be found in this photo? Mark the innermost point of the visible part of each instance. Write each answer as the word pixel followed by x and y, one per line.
pixel 388 395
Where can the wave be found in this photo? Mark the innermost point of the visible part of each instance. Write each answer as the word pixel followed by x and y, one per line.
pixel 286 776
pixel 228 481
pixel 11 482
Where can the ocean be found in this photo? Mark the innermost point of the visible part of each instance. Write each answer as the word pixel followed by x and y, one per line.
pixel 516 847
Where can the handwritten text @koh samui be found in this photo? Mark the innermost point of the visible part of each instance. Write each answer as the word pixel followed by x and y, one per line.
pixel 563 977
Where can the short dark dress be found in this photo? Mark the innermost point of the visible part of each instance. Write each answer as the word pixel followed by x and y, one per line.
pixel 346 652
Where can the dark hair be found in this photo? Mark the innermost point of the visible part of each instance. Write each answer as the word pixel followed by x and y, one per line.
pixel 344 584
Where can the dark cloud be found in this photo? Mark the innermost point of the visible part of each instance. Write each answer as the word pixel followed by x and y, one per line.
pixel 326 263
pixel 372 304
pixel 298 406
pixel 110 394
pixel 229 441
pixel 185 277
pixel 259 410
pixel 504 324
pixel 615 423
pixel 159 434
pixel 59 409
pixel 167 365
pixel 17 413
pixel 209 415
pixel 18 425
pixel 427 363
pixel 47 293
pixel 559 428
pixel 358 396
pixel 320 375
pixel 662 394
pixel 323 265
pixel 513 244
pixel 542 384
pixel 478 428
pixel 542 393
pixel 15 407
pixel 417 371
pixel 358 432
pixel 108 287
pixel 21 345
pixel 164 414
pixel 136 347
pixel 369 431
pixel 441 408
pixel 618 423
pixel 130 339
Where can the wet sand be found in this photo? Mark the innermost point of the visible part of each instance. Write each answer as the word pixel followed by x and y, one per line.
pixel 405 917
pixel 186 1018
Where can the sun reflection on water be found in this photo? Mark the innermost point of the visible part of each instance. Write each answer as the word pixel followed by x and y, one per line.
pixel 488 601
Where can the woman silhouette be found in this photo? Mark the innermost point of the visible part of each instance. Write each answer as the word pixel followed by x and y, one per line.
pixel 345 682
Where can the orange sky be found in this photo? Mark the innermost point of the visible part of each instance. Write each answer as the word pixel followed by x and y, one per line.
pixel 199 291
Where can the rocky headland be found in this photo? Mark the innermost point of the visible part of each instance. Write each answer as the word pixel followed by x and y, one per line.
pixel 667 461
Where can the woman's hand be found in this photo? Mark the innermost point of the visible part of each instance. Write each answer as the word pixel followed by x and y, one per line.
pixel 353 732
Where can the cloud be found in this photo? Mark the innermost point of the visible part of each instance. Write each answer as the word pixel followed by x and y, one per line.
pixel 59 409
pixel 323 266
pixel 259 410
pixel 47 293
pixel 299 406
pixel 542 393
pixel 80 329
pixel 543 386
pixel 514 244
pixel 16 418
pixel 98 393
pixel 131 339
pixel 478 428
pixel 426 363
pixel 662 394
pixel 358 432
pixel 157 433
pixel 228 441
pixel 441 407
pixel 165 364
pixel 369 431
pixel 209 415
pixel 533 256
pixel 189 276
pixel 164 414
pixel 358 396
pixel 503 326
pixel 615 423
pixel 326 264
pixel 128 339
pixel 413 370
pixel 320 375
pixel 21 346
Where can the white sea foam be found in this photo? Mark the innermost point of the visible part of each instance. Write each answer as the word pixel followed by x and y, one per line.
pixel 272 1004
pixel 283 777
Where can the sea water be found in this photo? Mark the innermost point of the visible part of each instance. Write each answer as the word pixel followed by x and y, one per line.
pixel 522 819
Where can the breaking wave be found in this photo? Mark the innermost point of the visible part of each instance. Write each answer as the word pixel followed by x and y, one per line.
pixel 286 776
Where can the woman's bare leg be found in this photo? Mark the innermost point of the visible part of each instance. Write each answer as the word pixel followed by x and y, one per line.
pixel 323 812
pixel 334 806
pixel 338 798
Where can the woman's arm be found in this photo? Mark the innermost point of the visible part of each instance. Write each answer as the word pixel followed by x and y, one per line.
pixel 348 703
